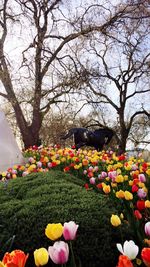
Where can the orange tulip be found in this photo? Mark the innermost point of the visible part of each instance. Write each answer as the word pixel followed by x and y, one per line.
pixel 17 258
pixel 145 254
pixel 124 261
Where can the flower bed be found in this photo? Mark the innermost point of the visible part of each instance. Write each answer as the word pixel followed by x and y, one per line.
pixel 126 181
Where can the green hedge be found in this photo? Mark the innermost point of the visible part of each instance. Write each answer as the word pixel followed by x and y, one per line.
pixel 29 203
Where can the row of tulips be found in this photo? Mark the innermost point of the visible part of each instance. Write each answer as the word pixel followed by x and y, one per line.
pixel 124 180
pixel 59 252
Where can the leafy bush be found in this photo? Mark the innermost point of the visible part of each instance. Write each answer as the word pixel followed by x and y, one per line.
pixel 28 204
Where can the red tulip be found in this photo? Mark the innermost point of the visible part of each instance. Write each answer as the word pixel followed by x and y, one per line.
pixel 99 186
pixel 86 186
pixel 140 204
pixel 134 188
pixel 137 214
pixel 66 169
pixel 124 261
pixel 145 254
pixel 16 258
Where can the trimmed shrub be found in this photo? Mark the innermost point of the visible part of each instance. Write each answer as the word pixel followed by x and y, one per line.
pixel 29 203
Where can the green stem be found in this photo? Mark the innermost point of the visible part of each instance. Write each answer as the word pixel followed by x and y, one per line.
pixel 72 255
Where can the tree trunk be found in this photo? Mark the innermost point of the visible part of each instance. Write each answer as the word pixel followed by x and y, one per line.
pixel 123 139
pixel 30 134
pixel 123 132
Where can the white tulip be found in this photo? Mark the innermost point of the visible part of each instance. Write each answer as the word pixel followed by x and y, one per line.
pixel 129 249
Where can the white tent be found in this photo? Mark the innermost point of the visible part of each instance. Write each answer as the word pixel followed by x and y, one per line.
pixel 10 153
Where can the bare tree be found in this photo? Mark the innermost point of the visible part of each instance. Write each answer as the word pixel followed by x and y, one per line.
pixel 116 72
pixel 45 75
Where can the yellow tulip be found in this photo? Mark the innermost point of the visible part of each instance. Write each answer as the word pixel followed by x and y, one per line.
pixel 77 167
pixel 119 179
pixel 126 178
pixel 140 184
pixel 148 172
pixel 85 162
pixel 121 216
pixel 120 194
pixel 22 168
pixel 54 231
pixel 2 264
pixel 109 167
pixel 147 204
pixel 115 220
pixel 128 195
pixel 63 159
pixel 128 168
pixel 46 159
pixel 57 162
pixel 130 182
pixel 106 189
pixel 114 185
pixel 41 256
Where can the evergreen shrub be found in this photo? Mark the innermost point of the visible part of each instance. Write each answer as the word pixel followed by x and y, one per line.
pixel 28 204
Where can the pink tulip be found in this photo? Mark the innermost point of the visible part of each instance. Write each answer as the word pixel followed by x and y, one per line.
pixel 25 173
pixel 59 252
pixel 90 169
pixel 95 169
pixel 92 180
pixel 103 174
pixel 31 160
pixel 39 164
pixel 112 175
pixel 49 164
pixel 142 178
pixel 14 171
pixel 147 228
pixel 134 167
pixel 70 230
pixel 141 193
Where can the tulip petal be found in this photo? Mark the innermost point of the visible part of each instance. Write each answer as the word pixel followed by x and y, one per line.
pixel 119 247
pixel 130 249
